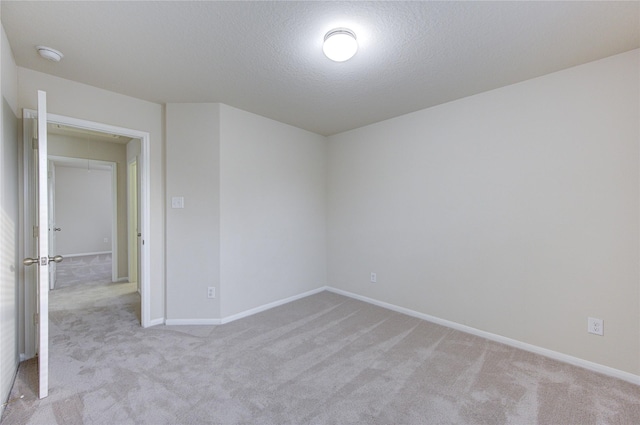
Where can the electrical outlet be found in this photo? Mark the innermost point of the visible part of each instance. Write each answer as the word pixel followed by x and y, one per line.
pixel 211 292
pixel 595 326
pixel 374 278
pixel 106 240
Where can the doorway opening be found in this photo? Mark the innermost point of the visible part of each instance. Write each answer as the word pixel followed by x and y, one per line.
pixel 137 148
pixel 83 211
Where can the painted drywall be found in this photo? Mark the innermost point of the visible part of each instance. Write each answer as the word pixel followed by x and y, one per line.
pixel 193 232
pixel 83 210
pixel 9 221
pixel 72 99
pixel 272 211
pixel 514 211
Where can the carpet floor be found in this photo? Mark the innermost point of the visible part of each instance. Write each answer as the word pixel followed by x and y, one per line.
pixel 324 359
pixel 83 270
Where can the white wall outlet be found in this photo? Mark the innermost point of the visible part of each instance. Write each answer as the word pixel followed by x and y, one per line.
pixel 374 277
pixel 595 326
pixel 211 292
pixel 106 240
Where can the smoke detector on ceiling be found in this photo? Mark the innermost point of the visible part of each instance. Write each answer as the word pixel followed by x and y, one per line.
pixel 50 54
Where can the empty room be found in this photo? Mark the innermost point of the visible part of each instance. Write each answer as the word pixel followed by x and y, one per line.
pixel 319 212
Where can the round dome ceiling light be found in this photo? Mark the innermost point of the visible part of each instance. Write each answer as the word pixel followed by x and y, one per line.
pixel 50 54
pixel 340 44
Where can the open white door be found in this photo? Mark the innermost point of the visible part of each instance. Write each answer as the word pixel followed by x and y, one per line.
pixel 40 206
pixel 43 250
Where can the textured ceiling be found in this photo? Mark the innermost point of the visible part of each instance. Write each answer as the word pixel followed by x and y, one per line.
pixel 266 57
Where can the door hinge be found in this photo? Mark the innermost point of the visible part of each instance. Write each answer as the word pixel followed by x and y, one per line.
pixel 36 231
pixel 36 319
pixel 34 143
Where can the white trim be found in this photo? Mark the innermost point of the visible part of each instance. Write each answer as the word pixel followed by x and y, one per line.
pixel 155 322
pixel 43 249
pixel 565 358
pixel 184 322
pixel 243 314
pixel 269 306
pixel 144 167
pixel 114 221
pixel 132 230
pixel 145 196
pixel 122 279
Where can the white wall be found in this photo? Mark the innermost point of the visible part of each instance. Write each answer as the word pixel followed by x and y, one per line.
pixel 72 99
pixel 513 211
pixel 272 210
pixel 83 210
pixel 193 232
pixel 9 221
pixel 253 223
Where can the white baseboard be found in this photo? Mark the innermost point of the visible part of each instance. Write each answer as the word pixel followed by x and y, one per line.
pixel 156 322
pixel 264 307
pixel 243 314
pixel 565 358
pixel 184 322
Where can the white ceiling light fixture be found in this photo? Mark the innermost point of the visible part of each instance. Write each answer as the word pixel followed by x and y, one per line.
pixel 340 44
pixel 50 54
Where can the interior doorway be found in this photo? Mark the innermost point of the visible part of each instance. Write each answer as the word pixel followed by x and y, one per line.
pixel 143 195
pixel 83 210
pixel 95 215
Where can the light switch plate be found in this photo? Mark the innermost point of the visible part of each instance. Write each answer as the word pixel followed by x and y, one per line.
pixel 177 202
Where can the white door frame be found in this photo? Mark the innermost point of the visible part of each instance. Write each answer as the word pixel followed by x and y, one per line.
pixel 145 203
pixel 132 220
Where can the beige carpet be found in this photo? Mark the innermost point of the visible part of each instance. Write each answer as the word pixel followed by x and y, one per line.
pixel 325 359
pixel 85 269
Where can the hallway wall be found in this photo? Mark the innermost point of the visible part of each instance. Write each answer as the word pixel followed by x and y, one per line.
pixel 83 211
